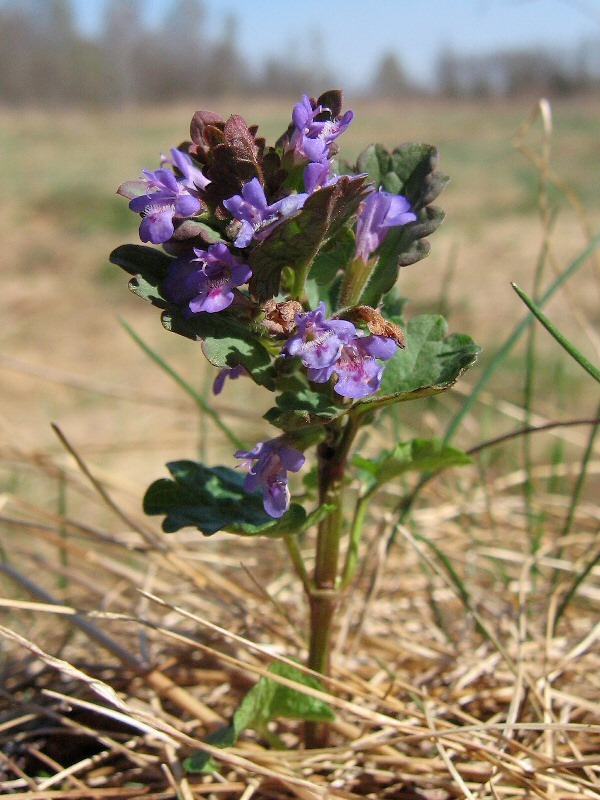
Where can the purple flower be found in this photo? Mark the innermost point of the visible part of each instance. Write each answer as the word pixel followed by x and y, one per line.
pixel 193 178
pixel 272 460
pixel 311 138
pixel 166 197
pixel 318 342
pixel 317 175
pixel 227 372
pixel 206 282
pixel 380 211
pixel 258 218
pixel 357 371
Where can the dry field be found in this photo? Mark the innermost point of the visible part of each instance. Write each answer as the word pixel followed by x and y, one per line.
pixel 450 676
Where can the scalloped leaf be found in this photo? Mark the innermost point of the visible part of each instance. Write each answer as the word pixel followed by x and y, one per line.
pixel 295 242
pixel 225 342
pixel 139 259
pixel 417 455
pixel 414 165
pixel 409 170
pixel 431 363
pixel 149 268
pixel 214 499
pixel 298 410
pixel 265 701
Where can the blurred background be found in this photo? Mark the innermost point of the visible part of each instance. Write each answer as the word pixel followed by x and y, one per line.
pixel 115 52
pixel 91 91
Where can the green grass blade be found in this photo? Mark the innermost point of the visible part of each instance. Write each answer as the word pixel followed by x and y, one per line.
pixel 576 354
pixel 579 578
pixel 183 384
pixel 515 335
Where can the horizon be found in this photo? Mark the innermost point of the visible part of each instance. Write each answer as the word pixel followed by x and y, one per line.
pixel 300 33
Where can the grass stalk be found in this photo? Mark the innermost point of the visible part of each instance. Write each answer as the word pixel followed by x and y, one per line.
pixel 499 356
pixel 573 351
pixel 183 384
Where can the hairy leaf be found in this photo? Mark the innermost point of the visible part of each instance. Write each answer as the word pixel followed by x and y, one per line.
pixel 214 499
pixel 420 455
pixel 226 342
pixel 295 242
pixel 409 170
pixel 298 410
pixel 139 259
pixel 430 364
pixel 267 700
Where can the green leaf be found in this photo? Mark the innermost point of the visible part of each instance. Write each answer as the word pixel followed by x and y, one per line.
pixel 305 408
pixel 293 704
pixel 414 165
pixel 139 259
pixel 430 364
pixel 375 161
pixel 331 259
pixel 417 455
pixel 149 266
pixel 196 229
pixel 213 499
pixel 410 171
pixel 295 242
pixel 266 700
pixel 225 342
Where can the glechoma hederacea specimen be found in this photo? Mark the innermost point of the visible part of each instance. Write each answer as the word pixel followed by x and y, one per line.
pixel 282 261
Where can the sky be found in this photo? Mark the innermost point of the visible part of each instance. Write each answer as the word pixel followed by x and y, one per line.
pixel 354 33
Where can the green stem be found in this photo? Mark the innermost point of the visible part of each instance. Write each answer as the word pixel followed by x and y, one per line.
pixel 324 596
pixel 300 276
pixel 355 280
pixel 297 562
pixel 360 510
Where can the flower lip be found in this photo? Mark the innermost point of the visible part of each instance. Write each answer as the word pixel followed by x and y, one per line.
pixel 380 210
pixel 318 341
pixel 165 199
pixel 206 281
pixel 358 373
pixel 273 459
pixel 258 218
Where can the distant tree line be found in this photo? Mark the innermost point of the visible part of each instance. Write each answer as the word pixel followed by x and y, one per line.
pixel 520 72
pixel 45 60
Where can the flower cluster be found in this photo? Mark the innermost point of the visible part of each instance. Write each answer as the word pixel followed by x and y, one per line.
pixel 237 219
pixel 335 347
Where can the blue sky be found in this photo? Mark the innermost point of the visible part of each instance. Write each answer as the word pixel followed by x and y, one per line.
pixel 354 33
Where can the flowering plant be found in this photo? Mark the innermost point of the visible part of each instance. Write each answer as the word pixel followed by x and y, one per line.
pixel 282 261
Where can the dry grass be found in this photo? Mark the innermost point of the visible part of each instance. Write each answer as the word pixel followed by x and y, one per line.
pixel 123 646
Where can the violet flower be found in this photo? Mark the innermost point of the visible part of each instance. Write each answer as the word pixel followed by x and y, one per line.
pixel 258 218
pixel 205 282
pixel 318 342
pixel 166 198
pixel 380 211
pixel 227 372
pixel 357 371
pixel 312 138
pixel 317 175
pixel 193 178
pixel 272 460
